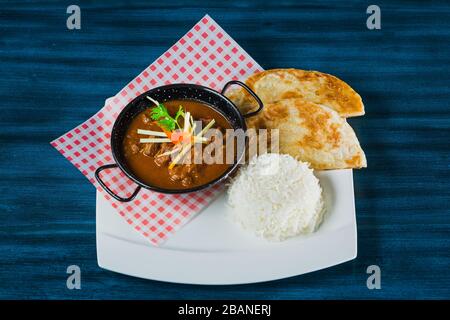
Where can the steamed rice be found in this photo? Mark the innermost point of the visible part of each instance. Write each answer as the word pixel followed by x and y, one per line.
pixel 276 197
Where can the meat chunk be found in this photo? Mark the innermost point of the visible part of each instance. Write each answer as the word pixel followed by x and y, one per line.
pixel 150 149
pixel 187 181
pixel 134 148
pixel 145 119
pixel 186 173
pixel 163 160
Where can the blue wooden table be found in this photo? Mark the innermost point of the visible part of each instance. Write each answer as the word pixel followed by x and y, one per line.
pixel 53 78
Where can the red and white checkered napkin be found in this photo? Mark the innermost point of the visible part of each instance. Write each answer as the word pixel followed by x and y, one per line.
pixel 206 55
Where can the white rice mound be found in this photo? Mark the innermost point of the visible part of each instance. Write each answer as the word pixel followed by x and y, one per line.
pixel 276 197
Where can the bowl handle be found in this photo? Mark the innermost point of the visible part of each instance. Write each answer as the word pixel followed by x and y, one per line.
pixel 250 91
pixel 110 192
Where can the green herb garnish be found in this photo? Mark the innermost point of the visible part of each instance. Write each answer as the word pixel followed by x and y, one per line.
pixel 163 118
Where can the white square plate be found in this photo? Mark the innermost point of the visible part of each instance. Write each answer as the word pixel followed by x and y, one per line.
pixel 210 249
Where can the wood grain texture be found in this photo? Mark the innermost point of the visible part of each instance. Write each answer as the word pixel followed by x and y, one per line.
pixel 53 79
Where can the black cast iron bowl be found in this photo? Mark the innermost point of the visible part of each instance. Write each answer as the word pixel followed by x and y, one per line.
pixel 179 91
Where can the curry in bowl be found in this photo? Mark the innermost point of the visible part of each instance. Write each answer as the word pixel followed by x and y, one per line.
pixel 160 143
pixel 160 129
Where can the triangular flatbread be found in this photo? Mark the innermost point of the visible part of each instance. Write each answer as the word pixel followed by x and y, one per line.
pixel 277 84
pixel 313 133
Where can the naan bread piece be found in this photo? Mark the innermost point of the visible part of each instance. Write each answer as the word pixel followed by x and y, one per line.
pixel 313 133
pixel 277 84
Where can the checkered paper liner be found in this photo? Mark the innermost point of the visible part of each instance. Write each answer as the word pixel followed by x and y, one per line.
pixel 206 55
